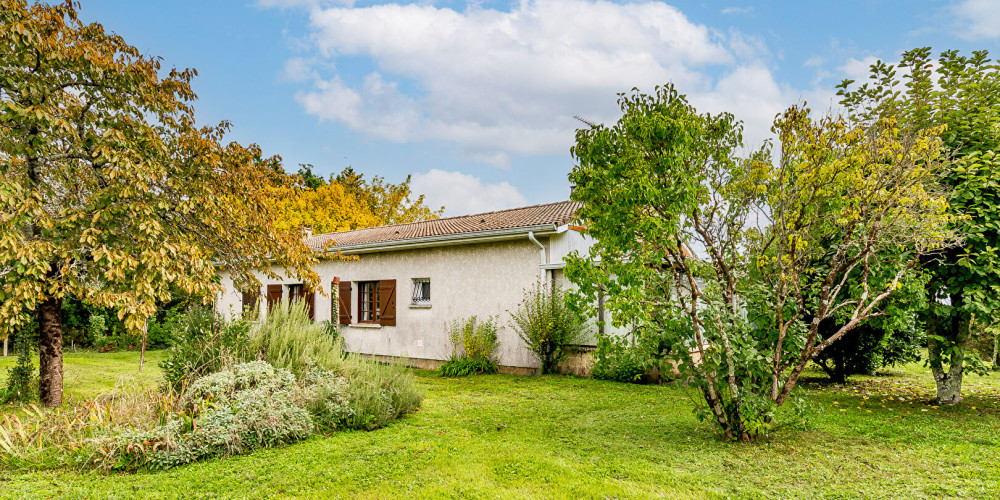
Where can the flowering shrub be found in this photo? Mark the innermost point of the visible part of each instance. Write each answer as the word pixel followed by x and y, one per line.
pixel 546 325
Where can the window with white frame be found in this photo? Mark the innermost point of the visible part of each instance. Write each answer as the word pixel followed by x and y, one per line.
pixel 368 305
pixel 421 291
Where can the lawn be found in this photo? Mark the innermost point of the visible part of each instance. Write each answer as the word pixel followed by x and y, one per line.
pixel 505 436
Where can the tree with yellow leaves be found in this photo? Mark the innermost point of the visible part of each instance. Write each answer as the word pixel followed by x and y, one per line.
pixel 348 201
pixel 325 209
pixel 109 191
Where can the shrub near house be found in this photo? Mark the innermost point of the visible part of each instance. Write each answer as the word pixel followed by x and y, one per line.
pixel 474 348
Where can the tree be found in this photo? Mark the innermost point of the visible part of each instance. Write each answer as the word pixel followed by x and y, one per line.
pixel 869 346
pixel 961 95
pixel 325 208
pixel 664 185
pixel 110 191
pixel 308 178
pixel 390 203
pixel 347 202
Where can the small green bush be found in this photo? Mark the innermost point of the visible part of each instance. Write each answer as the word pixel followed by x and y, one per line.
pixel 231 412
pixel 22 384
pixel 222 387
pixel 617 361
pixel 162 331
pixel 205 344
pixel 325 396
pixel 474 344
pixel 379 393
pixel 463 367
pixel 288 339
pixel 547 325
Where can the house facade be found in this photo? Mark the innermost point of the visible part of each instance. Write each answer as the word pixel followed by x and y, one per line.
pixel 411 281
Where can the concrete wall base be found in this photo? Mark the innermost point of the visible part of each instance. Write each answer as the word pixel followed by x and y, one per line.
pixel 578 363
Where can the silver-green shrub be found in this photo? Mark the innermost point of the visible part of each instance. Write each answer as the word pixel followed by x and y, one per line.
pixel 231 412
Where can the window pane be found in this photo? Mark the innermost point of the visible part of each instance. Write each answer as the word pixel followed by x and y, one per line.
pixel 421 290
pixel 369 301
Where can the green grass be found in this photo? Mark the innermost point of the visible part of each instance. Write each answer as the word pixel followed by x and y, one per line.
pixel 87 374
pixel 502 436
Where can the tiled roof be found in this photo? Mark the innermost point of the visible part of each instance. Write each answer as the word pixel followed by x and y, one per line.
pixel 551 213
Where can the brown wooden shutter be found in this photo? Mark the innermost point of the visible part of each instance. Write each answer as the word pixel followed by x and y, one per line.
pixel 310 298
pixel 273 296
pixel 344 300
pixel 251 302
pixel 387 302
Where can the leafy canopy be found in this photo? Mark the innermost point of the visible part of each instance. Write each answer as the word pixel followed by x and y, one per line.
pixel 347 202
pixel 735 261
pixel 109 190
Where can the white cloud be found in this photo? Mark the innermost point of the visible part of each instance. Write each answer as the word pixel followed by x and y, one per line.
pixel 978 19
pixel 499 83
pixel 298 69
pixel 814 61
pixel 463 194
pixel 857 69
pixel 737 10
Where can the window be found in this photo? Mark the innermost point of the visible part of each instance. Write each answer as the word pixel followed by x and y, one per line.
pixel 298 292
pixel 421 291
pixel 368 302
pixel 251 303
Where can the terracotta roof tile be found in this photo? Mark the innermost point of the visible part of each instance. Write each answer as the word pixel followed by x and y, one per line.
pixel 551 213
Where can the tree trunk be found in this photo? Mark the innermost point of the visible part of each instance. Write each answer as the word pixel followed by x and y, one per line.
pixel 142 352
pixel 50 351
pixel 948 382
pixel 5 348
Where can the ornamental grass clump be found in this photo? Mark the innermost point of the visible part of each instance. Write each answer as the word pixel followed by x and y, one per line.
pixel 474 344
pixel 547 325
pixel 288 339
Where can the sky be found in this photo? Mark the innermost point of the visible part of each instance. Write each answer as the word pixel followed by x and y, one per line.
pixel 476 100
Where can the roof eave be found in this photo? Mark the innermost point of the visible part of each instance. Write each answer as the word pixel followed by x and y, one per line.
pixel 445 239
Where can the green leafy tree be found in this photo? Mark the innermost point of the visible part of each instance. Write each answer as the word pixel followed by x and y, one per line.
pixel 307 178
pixel 960 94
pixel 728 256
pixel 869 347
pixel 109 191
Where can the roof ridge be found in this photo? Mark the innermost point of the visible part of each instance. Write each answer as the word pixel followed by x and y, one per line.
pixel 445 218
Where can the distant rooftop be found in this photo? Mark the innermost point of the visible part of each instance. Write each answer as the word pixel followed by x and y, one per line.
pixel 558 214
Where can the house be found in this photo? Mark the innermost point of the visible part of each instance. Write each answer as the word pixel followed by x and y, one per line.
pixel 412 280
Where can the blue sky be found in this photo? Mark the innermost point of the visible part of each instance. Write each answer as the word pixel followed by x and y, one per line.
pixel 476 100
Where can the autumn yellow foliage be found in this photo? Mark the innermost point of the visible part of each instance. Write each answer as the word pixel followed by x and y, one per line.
pixel 326 209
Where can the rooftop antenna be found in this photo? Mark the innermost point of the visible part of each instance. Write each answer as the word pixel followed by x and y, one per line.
pixel 588 122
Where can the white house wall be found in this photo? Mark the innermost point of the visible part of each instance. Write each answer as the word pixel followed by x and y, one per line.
pixel 485 280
